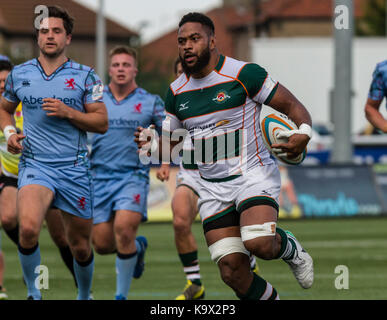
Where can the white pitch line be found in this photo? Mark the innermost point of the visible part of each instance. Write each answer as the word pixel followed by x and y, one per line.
pixel 345 243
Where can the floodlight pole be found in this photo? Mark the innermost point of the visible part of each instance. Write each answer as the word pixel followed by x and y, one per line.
pixel 343 27
pixel 101 41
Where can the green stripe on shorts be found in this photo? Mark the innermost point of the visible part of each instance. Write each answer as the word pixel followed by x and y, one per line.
pixel 259 200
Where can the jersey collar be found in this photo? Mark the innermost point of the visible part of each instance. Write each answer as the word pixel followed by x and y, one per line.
pixel 52 75
pixel 113 98
pixel 220 63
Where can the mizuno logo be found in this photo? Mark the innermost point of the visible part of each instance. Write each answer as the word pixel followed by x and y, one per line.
pixel 183 106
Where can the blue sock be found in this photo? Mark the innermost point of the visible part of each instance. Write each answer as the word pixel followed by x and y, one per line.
pixel 84 275
pixel 125 264
pixel 30 259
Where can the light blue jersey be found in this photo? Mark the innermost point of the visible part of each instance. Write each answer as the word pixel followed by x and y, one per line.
pixel 378 89
pixel 54 151
pixel 115 151
pixel 52 139
pixel 121 181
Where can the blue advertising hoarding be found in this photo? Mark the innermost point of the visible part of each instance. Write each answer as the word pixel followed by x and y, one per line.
pixel 338 190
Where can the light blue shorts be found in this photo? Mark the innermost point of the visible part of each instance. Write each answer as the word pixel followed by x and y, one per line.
pixel 128 191
pixel 71 184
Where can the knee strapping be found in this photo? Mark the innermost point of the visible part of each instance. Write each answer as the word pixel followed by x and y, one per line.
pixel 258 230
pixel 226 246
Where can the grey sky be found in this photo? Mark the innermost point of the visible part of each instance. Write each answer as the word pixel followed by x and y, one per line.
pixel 151 18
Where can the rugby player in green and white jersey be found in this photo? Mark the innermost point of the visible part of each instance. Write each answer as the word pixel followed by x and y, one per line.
pixel 219 105
pixel 185 210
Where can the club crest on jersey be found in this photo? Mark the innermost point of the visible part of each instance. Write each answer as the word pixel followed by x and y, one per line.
pixel 138 107
pixel 70 84
pixel 221 97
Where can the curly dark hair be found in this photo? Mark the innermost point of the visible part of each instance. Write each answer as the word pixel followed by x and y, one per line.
pixel 200 18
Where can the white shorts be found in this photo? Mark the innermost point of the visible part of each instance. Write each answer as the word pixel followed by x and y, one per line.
pixel 221 203
pixel 188 178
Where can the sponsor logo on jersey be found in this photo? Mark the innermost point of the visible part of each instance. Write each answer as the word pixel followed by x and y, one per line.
pixel 183 106
pixel 123 123
pixel 29 101
pixel 26 83
pixel 70 83
pixel 137 107
pixel 221 97
pixel 221 123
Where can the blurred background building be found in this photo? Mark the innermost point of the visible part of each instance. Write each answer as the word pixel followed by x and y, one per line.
pixel 293 39
pixel 17 33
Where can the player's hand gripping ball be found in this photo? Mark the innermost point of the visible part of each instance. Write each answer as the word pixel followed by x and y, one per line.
pixel 272 125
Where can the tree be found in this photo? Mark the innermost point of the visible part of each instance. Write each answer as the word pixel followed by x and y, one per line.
pixel 373 23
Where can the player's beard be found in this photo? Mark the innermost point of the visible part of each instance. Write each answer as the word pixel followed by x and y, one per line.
pixel 52 55
pixel 202 61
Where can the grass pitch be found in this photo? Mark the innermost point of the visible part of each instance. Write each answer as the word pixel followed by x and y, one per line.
pixel 359 244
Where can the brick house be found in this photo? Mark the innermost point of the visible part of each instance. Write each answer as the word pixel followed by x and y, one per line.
pixel 17 34
pixel 237 21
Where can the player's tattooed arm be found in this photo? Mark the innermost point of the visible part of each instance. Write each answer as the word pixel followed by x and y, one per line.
pixel 93 120
pixel 374 116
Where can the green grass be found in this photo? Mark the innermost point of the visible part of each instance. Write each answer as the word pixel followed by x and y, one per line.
pixel 359 244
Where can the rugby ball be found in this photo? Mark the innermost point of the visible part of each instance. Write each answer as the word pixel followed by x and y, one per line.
pixel 273 124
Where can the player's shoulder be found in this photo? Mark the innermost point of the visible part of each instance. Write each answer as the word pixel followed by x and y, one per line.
pixel 82 68
pixel 230 67
pixel 142 93
pixel 381 66
pixel 20 68
pixel 178 83
pixel 238 69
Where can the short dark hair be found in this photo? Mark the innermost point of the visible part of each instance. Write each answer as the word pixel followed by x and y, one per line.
pixel 59 12
pixel 200 18
pixel 5 65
